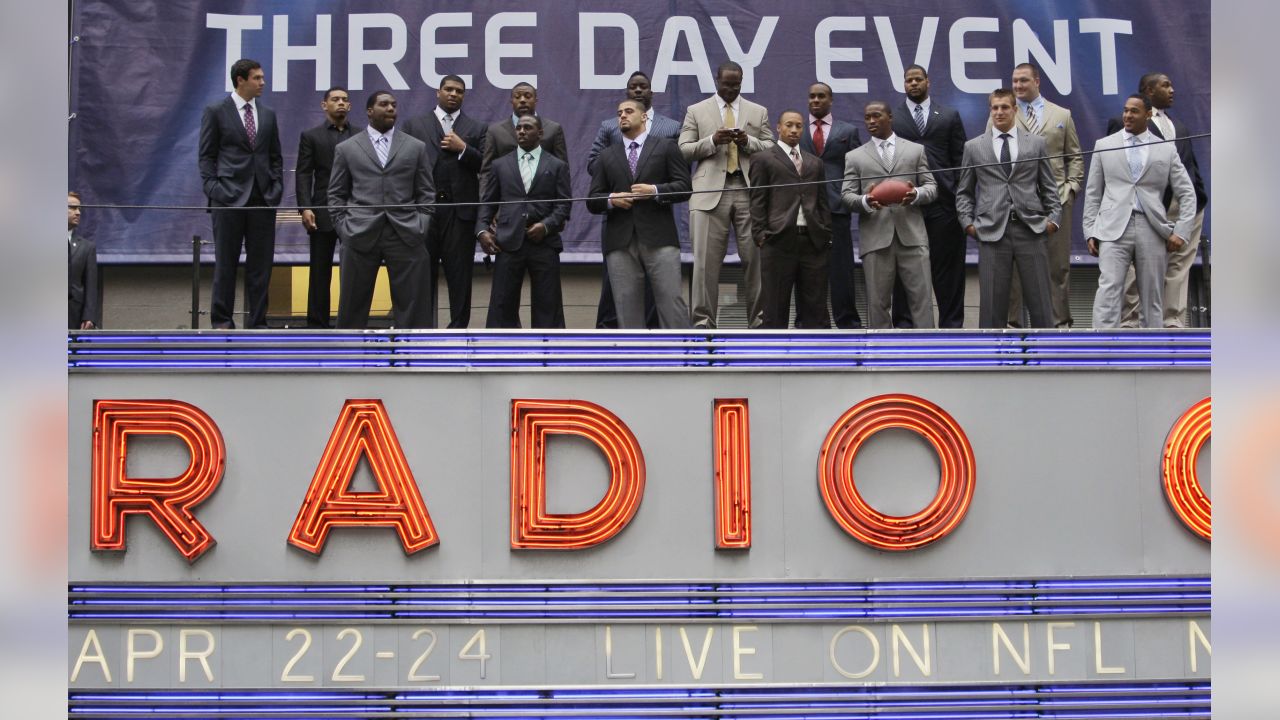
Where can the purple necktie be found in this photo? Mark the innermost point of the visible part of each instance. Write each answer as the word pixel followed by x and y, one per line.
pixel 633 156
pixel 250 127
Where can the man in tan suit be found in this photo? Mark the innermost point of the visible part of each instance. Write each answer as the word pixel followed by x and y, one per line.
pixel 720 134
pixel 1054 124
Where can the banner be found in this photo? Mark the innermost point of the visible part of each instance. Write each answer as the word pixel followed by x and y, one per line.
pixel 143 70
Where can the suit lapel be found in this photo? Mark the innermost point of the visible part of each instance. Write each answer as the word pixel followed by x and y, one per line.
pixel 234 116
pixel 396 142
pixel 366 144
pixel 786 159
pixel 537 173
pixel 645 151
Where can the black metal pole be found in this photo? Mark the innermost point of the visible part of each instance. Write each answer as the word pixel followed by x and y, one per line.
pixel 195 282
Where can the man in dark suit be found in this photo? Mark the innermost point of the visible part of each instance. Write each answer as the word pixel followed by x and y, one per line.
pixel 83 310
pixel 831 140
pixel 501 136
pixel 455 141
pixel 315 160
pixel 638 88
pixel 241 166
pixel 527 234
pixel 381 167
pixel 939 129
pixel 635 184
pixel 1007 199
pixel 792 227
pixel 1159 88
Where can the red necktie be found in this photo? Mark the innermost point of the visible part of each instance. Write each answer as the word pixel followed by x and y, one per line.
pixel 250 128
pixel 818 138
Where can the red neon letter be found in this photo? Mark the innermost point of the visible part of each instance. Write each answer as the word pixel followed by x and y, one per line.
pixel 531 525
pixel 167 501
pixel 1181 484
pixel 363 428
pixel 890 532
pixel 733 473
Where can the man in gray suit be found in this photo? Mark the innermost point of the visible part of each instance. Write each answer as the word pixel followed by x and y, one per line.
pixel 720 134
pixel 893 239
pixel 1011 208
pixel 1124 214
pixel 383 167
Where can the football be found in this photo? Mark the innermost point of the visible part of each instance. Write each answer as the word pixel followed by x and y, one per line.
pixel 890 192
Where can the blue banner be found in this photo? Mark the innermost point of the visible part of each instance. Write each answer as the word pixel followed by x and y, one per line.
pixel 142 70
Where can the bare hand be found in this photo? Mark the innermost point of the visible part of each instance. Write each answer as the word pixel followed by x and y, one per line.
pixel 88 325
pixel 621 200
pixel 971 231
pixel 309 220
pixel 452 143
pixel 1092 244
pixel 740 137
pixel 910 197
pixel 1175 242
pixel 646 190
pixel 536 232
pixel 1051 227
pixel 723 136
pixel 875 204
pixel 489 244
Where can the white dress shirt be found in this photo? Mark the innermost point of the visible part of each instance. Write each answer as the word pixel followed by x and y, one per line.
pixel 240 103
pixel 737 109
pixel 924 109
pixel 1165 123
pixel 997 143
pixel 788 149
pixel 453 118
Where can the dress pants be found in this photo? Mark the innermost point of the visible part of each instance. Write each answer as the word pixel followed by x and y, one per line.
pixel 606 313
pixel 1059 249
pixel 1141 247
pixel 546 306
pixel 788 261
pixel 946 268
pixel 408 269
pixel 709 230
pixel 1176 276
pixel 1020 248
pixel 256 230
pixel 629 267
pixel 844 307
pixel 451 242
pixel 882 266
pixel 319 278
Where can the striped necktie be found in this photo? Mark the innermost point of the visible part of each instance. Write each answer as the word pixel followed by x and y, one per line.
pixel 920 120
pixel 381 147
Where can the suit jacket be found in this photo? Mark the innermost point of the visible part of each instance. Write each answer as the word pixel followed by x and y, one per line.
pixel 984 196
pixel 1186 153
pixel 358 179
pixel 774 210
pixel 82 283
pixel 649 221
pixel 1109 194
pixel 1060 138
pixel 550 182
pixel 608 134
pixel 457 179
pixel 839 138
pixel 229 165
pixel 315 161
pixel 701 120
pixel 876 229
pixel 943 141
pixel 500 139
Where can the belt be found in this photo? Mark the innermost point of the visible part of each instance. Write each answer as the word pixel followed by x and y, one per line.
pixel 802 230
pixel 1013 216
pixel 735 173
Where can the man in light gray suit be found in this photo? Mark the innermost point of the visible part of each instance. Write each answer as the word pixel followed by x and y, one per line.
pixel 383 167
pixel 720 134
pixel 1124 214
pixel 894 242
pixel 1007 199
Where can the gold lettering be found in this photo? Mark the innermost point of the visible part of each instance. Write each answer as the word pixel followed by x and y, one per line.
pixel 608 657
pixel 900 639
pixel 1097 654
pixel 203 655
pixel 696 668
pixel 875 651
pixel 998 637
pixel 1194 636
pixel 739 651
pixel 132 653
pixel 97 657
pixel 1055 646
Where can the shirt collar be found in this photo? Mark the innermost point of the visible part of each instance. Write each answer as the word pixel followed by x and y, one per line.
pixel 536 152
pixel 720 103
pixel 1141 136
pixel 440 114
pixel 344 128
pixel 911 105
pixel 826 121
pixel 997 132
pixel 787 148
pixel 892 140
pixel 374 134
pixel 639 139
pixel 239 101
pixel 1038 104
